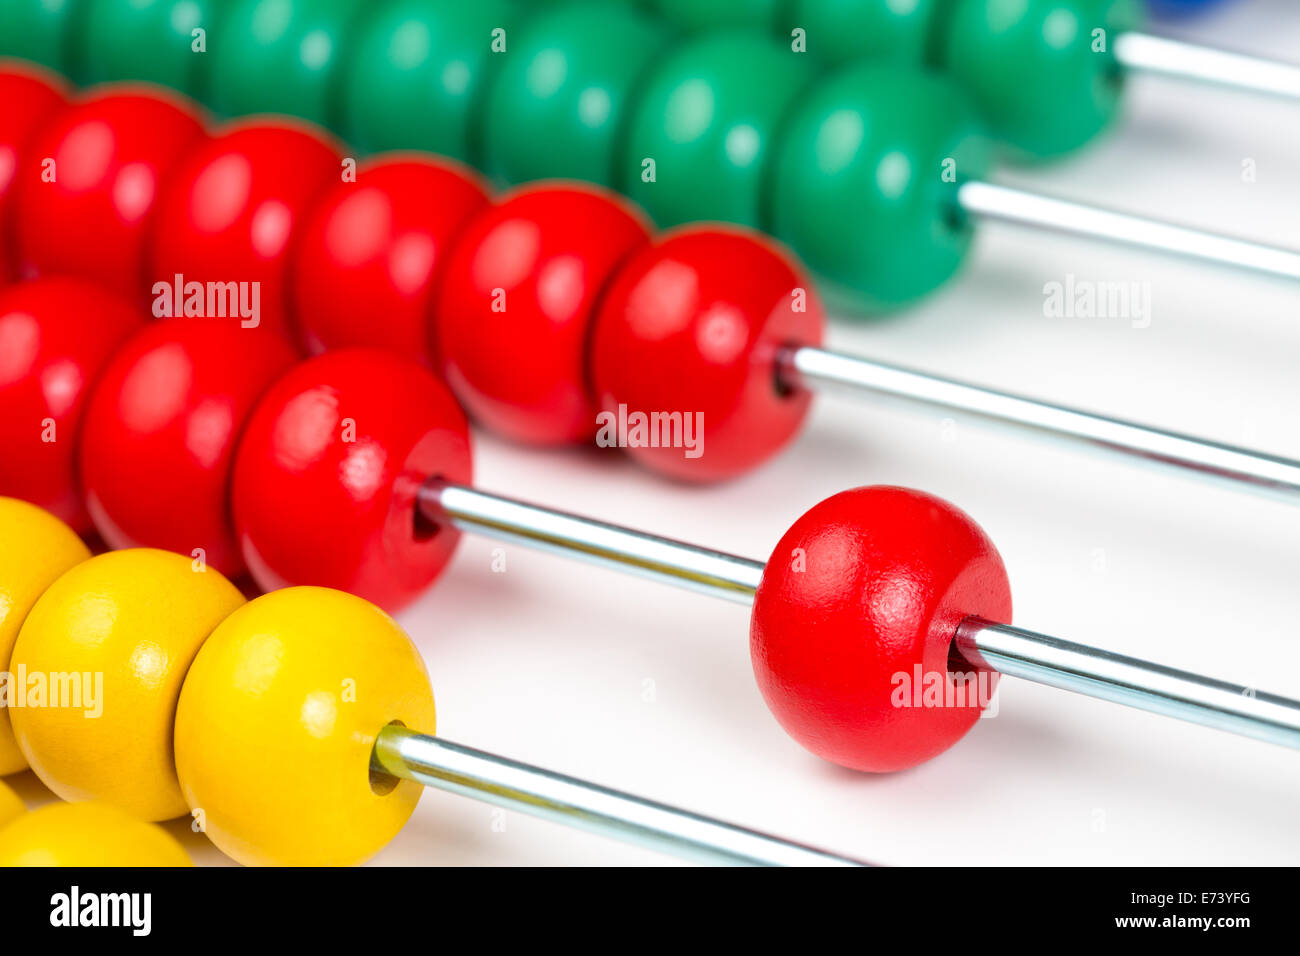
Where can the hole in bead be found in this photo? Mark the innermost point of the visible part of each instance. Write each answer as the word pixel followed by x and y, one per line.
pixel 382 783
pixel 1113 76
pixel 959 666
pixel 953 217
pixel 423 528
pixel 782 363
pixel 964 676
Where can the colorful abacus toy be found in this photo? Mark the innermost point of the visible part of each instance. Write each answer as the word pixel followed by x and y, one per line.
pixel 390 468
pixel 677 323
pixel 1045 75
pixel 875 175
pixel 266 264
pixel 313 688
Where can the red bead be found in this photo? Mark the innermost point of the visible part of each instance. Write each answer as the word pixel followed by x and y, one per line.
pixel 112 153
pixel 31 97
pixel 234 207
pixel 56 336
pixel 158 443
pixel 515 307
pixel 694 325
pixel 327 473
pixel 372 250
pixel 854 621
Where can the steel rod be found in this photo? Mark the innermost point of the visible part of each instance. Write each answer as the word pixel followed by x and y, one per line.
pixel 805 366
pixel 1187 61
pixel 1007 204
pixel 586 806
pixel 661 559
pixel 1031 656
pixel 1127 680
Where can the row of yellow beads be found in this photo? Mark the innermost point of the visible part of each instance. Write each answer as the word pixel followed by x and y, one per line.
pixel 255 718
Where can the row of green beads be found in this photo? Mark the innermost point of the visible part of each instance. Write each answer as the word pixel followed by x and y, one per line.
pixel 1043 82
pixel 734 126
pixel 856 170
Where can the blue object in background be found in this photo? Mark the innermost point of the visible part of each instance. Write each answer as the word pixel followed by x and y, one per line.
pixel 1179 7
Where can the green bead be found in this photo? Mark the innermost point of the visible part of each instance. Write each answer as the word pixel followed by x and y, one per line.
pixel 39 30
pixel 278 56
pixel 838 31
pixel 707 116
pixel 559 101
pixel 865 181
pixel 1043 78
pixel 697 15
pixel 418 74
pixel 150 40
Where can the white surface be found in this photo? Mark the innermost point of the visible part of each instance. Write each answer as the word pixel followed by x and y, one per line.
pixel 549 662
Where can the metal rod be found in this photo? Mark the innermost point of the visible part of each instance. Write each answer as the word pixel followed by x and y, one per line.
pixel 805 365
pixel 1035 657
pixel 1126 680
pixel 1187 61
pixel 585 806
pixel 661 559
pixel 1012 205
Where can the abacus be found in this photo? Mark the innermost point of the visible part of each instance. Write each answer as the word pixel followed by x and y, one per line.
pixel 829 638
pixel 901 582
pixel 352 257
pixel 1039 73
pixel 343 787
pixel 869 621
pixel 875 179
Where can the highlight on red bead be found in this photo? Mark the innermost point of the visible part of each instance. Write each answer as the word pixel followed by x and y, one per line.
pixel 372 250
pixel 104 161
pixel 227 222
pixel 514 310
pixel 328 469
pixel 160 431
pixel 31 97
pixel 691 330
pixel 56 336
pixel 853 625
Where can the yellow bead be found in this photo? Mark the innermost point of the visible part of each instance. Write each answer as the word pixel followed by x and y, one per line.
pixel 111 640
pixel 277 720
pixel 35 548
pixel 11 805
pixel 87 834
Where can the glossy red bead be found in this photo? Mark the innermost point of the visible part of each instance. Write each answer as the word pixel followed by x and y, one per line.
pixel 372 250
pixel 159 435
pixel 327 473
pixel 233 209
pixel 56 336
pixel 693 326
pixel 853 626
pixel 31 96
pixel 515 308
pixel 112 153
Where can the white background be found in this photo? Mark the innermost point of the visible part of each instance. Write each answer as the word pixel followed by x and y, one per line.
pixel 550 661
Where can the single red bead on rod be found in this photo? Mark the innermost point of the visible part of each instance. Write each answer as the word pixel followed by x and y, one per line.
pixel 328 469
pixel 56 336
pixel 852 632
pixel 514 310
pixel 693 327
pixel 228 219
pixel 109 155
pixel 31 97
pixel 160 430
pixel 372 249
